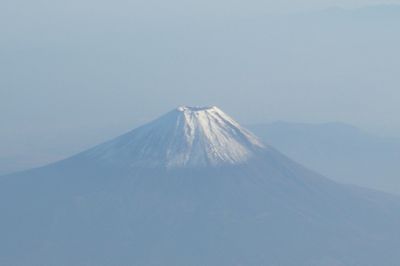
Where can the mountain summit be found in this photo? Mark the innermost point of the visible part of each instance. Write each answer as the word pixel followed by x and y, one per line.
pixel 187 137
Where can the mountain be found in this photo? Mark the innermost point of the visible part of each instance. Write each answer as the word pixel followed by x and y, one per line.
pixel 191 188
pixel 185 137
pixel 339 151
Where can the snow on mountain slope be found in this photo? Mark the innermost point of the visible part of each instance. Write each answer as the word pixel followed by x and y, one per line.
pixel 184 137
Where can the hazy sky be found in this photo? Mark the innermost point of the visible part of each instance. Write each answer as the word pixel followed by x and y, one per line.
pixel 94 69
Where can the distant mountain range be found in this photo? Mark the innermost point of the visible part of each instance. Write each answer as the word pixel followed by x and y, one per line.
pixel 370 12
pixel 339 151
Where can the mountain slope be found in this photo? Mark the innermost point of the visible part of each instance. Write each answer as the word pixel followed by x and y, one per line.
pixel 341 152
pixel 107 206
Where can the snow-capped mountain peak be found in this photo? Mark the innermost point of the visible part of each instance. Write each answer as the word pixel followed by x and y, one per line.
pixel 184 137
